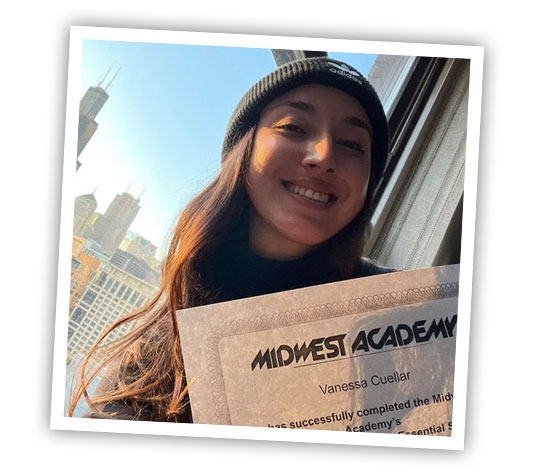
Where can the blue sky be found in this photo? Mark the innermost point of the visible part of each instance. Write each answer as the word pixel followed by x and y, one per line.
pixel 161 131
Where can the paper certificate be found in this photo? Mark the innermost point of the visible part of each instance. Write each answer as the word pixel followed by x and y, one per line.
pixel 373 354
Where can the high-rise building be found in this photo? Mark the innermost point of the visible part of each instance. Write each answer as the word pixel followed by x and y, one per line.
pixel 282 56
pixel 84 209
pixel 111 227
pixel 90 105
pixel 110 294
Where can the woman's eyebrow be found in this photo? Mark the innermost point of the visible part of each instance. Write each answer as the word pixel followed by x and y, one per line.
pixel 355 121
pixel 304 106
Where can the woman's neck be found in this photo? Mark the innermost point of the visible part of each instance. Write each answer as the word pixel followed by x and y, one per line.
pixel 264 241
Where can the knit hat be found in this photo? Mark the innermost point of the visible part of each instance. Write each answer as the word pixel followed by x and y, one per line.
pixel 314 70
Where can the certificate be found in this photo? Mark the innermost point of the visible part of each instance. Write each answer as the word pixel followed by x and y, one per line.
pixel 374 354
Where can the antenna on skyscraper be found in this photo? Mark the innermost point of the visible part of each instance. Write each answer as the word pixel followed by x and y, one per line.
pixel 110 83
pixel 102 79
pixel 142 192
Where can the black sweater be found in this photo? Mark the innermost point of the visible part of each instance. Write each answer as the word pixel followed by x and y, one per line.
pixel 235 272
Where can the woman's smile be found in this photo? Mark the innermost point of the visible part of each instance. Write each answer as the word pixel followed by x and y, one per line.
pixel 309 192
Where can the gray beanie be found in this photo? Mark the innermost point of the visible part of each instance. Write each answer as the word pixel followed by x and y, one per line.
pixel 314 70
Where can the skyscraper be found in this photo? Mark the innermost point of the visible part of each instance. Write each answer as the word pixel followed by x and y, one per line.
pixel 84 209
pixel 90 105
pixel 112 226
pixel 282 56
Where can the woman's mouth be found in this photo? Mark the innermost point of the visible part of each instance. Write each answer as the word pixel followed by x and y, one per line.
pixel 309 193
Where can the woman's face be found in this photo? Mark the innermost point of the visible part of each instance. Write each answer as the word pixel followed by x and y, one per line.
pixel 309 170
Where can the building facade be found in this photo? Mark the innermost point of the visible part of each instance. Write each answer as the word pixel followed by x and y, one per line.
pixel 111 293
pixel 84 266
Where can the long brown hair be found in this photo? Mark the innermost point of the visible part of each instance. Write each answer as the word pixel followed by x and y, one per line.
pixel 143 371
pixel 145 367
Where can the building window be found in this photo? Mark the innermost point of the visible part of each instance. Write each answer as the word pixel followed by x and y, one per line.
pixel 78 314
pixel 121 291
pixel 134 297
pixel 89 296
pixel 114 288
pixel 108 284
pixel 101 279
pixel 127 294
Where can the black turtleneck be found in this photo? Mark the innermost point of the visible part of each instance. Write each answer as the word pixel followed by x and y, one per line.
pixel 235 272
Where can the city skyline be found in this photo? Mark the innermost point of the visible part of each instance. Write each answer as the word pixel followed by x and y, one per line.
pixel 113 270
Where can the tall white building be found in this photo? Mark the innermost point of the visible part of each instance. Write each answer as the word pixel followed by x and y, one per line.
pixel 111 294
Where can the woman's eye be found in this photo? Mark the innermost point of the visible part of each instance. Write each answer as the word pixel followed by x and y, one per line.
pixel 352 145
pixel 292 127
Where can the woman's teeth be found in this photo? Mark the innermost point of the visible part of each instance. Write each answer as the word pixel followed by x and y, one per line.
pixel 309 193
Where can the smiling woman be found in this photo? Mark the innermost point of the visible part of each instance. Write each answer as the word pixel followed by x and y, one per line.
pixel 303 153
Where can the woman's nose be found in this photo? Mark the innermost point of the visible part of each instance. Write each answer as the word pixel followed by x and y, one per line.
pixel 321 156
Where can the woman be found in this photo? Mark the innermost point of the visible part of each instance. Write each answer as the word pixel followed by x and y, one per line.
pixel 303 153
